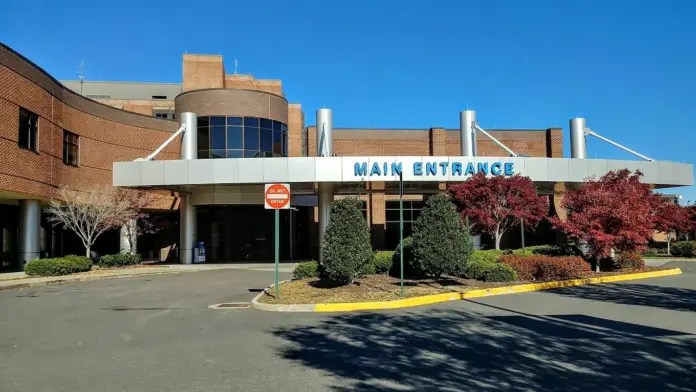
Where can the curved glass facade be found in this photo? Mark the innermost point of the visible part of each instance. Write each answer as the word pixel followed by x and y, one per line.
pixel 241 137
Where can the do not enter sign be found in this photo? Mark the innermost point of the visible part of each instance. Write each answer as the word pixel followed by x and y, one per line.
pixel 277 196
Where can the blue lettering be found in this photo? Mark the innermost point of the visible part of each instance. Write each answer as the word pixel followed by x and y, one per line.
pixel 509 169
pixel 385 169
pixel 483 167
pixel 443 165
pixel 417 168
pixel 360 169
pixel 456 168
pixel 496 170
pixel 396 169
pixel 431 169
pixel 375 170
pixel 469 169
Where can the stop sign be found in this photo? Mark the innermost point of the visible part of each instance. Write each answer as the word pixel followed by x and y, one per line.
pixel 277 196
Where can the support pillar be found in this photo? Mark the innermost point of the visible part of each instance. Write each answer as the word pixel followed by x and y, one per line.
pixel 187 211
pixel 29 246
pixel 467 137
pixel 324 149
pixel 467 133
pixel 129 229
pixel 578 141
pixel 578 150
pixel 188 226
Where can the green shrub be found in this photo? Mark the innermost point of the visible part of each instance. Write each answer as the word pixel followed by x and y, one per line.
pixel 119 260
pixel 306 269
pixel 628 260
pixel 440 244
pixel 411 269
pixel 497 272
pixel 382 261
pixel 476 268
pixel 347 249
pixel 489 270
pixel 684 248
pixel 58 266
pixel 369 269
pixel 524 252
pixel 490 256
pixel 547 250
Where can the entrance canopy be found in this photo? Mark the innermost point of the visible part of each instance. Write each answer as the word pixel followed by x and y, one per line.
pixel 183 174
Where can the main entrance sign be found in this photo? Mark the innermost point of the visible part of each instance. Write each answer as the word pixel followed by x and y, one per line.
pixel 377 169
pixel 277 196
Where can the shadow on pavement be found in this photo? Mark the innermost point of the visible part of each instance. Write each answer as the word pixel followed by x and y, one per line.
pixel 455 350
pixel 671 298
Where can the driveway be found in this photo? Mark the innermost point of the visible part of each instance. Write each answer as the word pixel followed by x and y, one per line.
pixel 157 334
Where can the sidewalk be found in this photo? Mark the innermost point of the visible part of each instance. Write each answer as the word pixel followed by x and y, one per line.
pixel 16 280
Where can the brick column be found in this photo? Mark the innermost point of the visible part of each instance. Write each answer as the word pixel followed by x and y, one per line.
pixel 554 143
pixel 295 129
pixel 376 214
pixel 438 142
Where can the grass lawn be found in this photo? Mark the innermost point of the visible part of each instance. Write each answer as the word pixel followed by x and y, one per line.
pixel 384 288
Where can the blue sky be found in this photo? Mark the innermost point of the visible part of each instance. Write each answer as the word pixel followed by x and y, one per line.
pixel 629 67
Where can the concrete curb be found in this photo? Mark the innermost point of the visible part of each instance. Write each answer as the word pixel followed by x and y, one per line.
pixel 431 299
pixel 280 308
pixel 21 285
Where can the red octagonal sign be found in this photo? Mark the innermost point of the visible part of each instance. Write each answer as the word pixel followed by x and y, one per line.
pixel 277 196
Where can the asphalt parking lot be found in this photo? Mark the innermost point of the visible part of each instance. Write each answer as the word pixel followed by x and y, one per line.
pixel 158 334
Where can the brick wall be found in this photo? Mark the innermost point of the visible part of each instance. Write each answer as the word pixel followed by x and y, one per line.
pixel 202 71
pixel 113 135
pixel 295 128
pixel 248 82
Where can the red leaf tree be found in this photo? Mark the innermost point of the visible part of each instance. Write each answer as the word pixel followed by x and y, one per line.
pixel 494 205
pixel 614 212
pixel 671 218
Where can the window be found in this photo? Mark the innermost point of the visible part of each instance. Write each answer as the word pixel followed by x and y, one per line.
pixel 166 114
pixel 159 97
pixel 28 129
pixel 240 137
pixel 71 148
pixel 412 209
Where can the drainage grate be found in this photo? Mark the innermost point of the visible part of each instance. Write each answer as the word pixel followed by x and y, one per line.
pixel 231 305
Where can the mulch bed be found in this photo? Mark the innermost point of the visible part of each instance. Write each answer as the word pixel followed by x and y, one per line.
pixel 387 288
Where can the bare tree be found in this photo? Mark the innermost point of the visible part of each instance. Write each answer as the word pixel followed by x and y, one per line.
pixel 88 213
pixel 135 220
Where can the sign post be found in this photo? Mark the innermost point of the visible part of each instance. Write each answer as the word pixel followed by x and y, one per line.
pixel 277 197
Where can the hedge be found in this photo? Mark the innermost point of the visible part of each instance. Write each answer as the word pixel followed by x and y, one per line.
pixel 684 248
pixel 498 272
pixel 490 256
pixel 58 266
pixel 306 269
pixel 119 260
pixel 547 250
pixel 628 260
pixel 539 267
pixel 382 261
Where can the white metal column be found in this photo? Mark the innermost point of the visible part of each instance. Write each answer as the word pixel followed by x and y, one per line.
pixel 187 211
pixel 324 148
pixel 467 138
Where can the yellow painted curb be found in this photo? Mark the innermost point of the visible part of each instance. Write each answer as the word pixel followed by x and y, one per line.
pixel 431 299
